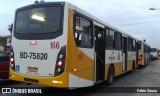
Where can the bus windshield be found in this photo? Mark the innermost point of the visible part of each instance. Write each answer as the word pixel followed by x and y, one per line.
pixel 153 50
pixel 38 20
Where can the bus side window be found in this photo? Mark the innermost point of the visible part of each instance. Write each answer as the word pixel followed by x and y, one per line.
pixel 83 32
pixel 117 39
pixel 131 44
pixel 134 45
pixel 109 39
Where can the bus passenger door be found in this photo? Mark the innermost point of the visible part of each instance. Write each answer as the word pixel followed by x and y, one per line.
pixel 137 52
pixel 144 53
pixel 125 51
pixel 99 53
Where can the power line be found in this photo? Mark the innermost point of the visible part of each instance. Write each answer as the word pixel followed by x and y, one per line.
pixel 121 20
pixel 138 23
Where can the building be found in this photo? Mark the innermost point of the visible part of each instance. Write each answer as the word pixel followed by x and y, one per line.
pixel 5 42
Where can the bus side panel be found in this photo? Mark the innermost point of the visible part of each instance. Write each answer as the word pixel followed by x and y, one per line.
pixel 118 68
pixel 118 63
pixel 115 58
pixel 129 65
pixel 71 50
pixel 85 67
pixel 79 65
pixel 131 60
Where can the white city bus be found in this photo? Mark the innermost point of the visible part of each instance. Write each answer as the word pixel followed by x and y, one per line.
pixel 155 52
pixel 144 53
pixel 59 45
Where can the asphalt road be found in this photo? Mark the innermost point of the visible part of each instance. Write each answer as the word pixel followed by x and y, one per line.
pixel 141 78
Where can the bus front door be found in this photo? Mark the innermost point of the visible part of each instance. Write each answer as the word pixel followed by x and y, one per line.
pixel 100 53
pixel 125 50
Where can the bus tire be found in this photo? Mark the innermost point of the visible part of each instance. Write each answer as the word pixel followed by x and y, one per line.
pixel 110 76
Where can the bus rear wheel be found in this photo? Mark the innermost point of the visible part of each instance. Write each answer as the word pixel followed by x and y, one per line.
pixel 110 76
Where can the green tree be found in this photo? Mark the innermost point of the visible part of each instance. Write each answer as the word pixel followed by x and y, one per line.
pixel 3 41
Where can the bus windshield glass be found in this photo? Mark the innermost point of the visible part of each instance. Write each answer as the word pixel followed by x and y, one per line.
pixel 38 20
pixel 153 50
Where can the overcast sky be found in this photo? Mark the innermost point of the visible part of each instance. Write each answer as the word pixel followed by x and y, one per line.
pixel 130 16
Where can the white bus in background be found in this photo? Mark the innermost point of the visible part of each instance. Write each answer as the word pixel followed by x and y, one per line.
pixel 155 53
pixel 144 53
